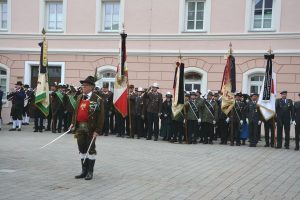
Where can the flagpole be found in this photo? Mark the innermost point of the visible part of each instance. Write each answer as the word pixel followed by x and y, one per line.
pixel 231 112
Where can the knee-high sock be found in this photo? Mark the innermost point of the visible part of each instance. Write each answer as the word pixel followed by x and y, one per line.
pixel 19 124
pixel 14 124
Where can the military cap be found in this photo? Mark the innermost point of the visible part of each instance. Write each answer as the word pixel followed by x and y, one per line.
pixel 283 92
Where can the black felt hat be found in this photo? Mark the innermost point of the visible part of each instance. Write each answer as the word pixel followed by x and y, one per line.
pixel 89 80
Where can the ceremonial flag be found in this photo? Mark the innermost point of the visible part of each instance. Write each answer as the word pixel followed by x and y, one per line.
pixel 267 95
pixel 228 85
pixel 178 90
pixel 42 90
pixel 120 88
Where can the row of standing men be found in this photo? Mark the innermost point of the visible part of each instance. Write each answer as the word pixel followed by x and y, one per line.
pixel 201 120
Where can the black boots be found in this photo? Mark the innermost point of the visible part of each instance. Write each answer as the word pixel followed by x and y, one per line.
pixel 91 164
pixel 87 169
pixel 84 169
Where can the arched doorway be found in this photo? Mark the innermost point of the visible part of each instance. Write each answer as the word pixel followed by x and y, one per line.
pixel 195 79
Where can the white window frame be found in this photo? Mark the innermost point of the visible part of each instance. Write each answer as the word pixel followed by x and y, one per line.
pixel 202 82
pixel 276 16
pixel 104 69
pixel 28 67
pixel 4 101
pixel 100 16
pixel 183 17
pixel 44 16
pixel 8 26
pixel 247 78
pixel 258 84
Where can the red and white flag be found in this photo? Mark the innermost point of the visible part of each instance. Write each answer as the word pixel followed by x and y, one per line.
pixel 267 97
pixel 120 99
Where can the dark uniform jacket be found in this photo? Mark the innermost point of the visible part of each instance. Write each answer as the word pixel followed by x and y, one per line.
pixel 17 99
pixel 57 105
pixel 166 111
pixel 96 114
pixel 238 111
pixel 296 115
pixel 209 111
pixel 137 105
pixel 284 110
pixel 154 103
pixel 192 109
pixel 107 98
pixel 252 112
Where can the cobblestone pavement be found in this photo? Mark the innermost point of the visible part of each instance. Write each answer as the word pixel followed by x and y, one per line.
pixel 139 169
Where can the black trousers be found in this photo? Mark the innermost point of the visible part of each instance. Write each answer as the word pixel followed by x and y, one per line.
pixel 57 117
pixel 253 128
pixel 297 134
pixel 139 125
pixel 38 123
pixel 192 130
pixel 153 123
pixel 111 122
pixel 179 130
pixel 67 120
pixel 105 129
pixel 269 128
pixel 208 131
pixel 236 132
pixel 120 124
pixel 286 125
pixel 223 131
pixel 83 142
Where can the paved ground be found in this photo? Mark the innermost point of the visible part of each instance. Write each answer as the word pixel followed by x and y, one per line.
pixel 140 169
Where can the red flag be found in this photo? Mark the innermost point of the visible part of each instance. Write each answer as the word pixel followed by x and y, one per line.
pixel 120 88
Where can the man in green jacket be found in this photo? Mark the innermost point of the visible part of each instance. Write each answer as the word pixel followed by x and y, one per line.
pixel 87 123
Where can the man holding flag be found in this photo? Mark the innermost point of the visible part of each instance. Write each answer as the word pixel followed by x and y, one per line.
pixel 42 101
pixel 120 98
pixel 267 100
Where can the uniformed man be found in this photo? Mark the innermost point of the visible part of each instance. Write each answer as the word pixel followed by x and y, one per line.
pixel 130 118
pixel 28 96
pixel 167 127
pixel 223 123
pixel 237 119
pixel 153 111
pixel 191 111
pixel 253 118
pixel 57 104
pixel 87 123
pixel 70 103
pixel 209 118
pixel 284 112
pixel 138 110
pixel 17 97
pixel 296 122
pixel 107 97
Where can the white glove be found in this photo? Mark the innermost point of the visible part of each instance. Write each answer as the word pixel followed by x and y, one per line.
pixel 184 121
pixel 159 114
pixel 241 122
pixel 294 123
pixel 259 122
pixel 142 116
pixel 247 120
pixel 227 120
pixel 199 120
pixel 214 122
pixel 291 122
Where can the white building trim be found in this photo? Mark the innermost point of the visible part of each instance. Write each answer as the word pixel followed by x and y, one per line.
pixel 203 79
pixel 146 52
pixel 248 74
pixel 27 70
pixel 4 101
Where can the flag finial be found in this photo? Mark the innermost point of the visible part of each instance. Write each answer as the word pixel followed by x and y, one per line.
pixel 230 49
pixel 180 56
pixel 270 51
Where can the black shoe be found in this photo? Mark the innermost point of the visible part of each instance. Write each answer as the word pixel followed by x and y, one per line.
pixel 210 142
pixel 231 144
pixel 297 149
pixel 35 130
pixel 266 145
pixel 205 142
pixel 155 139
pixel 48 129
pixel 105 134
pixel 287 147
pixel 278 147
pixel 18 129
pixel 84 169
pixel 9 123
pixel 252 145
pixel 12 129
pixel 90 168
pixel 41 130
pixel 59 131
pixel 148 138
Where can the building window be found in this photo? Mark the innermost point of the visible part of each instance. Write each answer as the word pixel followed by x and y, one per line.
pixel 111 15
pixel 262 14
pixel 3 83
pixel 54 75
pixel 255 83
pixel 54 16
pixel 194 15
pixel 3 15
pixel 192 81
pixel 107 76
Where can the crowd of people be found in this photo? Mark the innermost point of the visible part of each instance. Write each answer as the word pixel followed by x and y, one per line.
pixel 150 116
